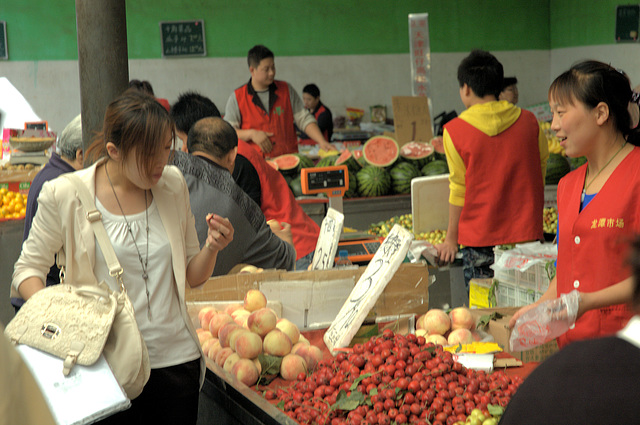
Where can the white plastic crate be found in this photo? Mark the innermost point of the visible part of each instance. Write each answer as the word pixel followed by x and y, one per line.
pixel 510 295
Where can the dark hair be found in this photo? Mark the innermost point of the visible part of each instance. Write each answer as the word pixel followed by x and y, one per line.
pixel 212 135
pixel 190 108
pixel 137 121
pixel 143 86
pixel 508 81
pixel 482 72
pixel 257 54
pixel 591 82
pixel 312 89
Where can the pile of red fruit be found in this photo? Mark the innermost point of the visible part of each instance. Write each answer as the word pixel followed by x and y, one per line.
pixel 394 379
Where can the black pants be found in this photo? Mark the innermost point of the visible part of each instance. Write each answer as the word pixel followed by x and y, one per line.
pixel 170 397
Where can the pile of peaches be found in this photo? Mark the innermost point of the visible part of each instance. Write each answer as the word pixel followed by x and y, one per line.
pixel 457 327
pixel 245 339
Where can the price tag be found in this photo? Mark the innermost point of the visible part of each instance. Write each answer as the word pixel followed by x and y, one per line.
pixel 327 245
pixel 372 282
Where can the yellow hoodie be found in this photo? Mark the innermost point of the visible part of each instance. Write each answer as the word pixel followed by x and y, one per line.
pixel 492 118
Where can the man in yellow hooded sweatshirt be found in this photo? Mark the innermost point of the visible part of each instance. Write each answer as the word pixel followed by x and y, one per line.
pixel 497 156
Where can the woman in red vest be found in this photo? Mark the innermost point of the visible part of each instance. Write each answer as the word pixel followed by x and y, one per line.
pixel 598 208
pixel 322 114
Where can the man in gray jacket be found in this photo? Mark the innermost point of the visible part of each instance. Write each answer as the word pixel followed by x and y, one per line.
pixel 212 145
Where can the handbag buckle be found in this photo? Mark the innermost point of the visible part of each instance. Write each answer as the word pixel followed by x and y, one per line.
pixel 50 330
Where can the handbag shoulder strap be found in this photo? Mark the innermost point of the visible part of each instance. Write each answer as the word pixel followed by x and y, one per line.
pixel 95 218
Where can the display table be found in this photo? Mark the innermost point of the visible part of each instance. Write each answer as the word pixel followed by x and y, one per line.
pixel 359 213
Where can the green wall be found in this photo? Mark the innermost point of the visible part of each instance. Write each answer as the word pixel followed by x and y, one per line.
pixel 289 27
pixel 579 23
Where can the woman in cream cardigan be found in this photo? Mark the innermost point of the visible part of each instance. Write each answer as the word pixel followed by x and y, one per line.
pixel 146 211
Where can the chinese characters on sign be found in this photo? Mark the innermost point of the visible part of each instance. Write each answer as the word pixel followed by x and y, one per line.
pixel 183 38
pixel 420 54
pixel 328 240
pixel 378 273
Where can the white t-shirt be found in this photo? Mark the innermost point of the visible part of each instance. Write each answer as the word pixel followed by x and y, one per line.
pixel 167 337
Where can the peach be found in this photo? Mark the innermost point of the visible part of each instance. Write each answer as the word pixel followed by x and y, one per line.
pixel 230 361
pixel 436 339
pixel 217 321
pixel 248 345
pixel 240 316
pixel 303 339
pixel 203 336
pixel 437 322
pixel 288 327
pixel 274 312
pixel 460 336
pixel 276 343
pixel 310 353
pixel 204 315
pixel 213 350
pixel 422 332
pixel 207 344
pixel 254 300
pixel 233 307
pixel 262 321
pixel 225 331
pixel 246 372
pixel 292 365
pixel 256 361
pixel 461 318
pixel 222 355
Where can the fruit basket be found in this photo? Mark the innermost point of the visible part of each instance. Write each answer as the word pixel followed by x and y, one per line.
pixel 31 144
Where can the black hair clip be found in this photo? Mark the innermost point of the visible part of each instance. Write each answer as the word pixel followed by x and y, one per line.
pixel 635 97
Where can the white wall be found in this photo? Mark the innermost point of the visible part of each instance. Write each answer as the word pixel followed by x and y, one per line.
pixel 52 87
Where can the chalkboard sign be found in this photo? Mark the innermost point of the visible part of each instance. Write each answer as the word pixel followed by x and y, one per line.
pixel 627 20
pixel 4 53
pixel 183 38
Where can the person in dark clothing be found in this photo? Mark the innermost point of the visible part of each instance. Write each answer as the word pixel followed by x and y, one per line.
pixel 192 107
pixel 322 114
pixel 69 157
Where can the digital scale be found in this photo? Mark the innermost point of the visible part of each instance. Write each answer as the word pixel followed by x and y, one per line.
pixel 333 181
pixel 29 146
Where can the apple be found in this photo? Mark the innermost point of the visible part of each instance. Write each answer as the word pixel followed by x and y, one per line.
pixel 248 345
pixel 262 321
pixel 461 318
pixel 254 300
pixel 276 343
pixel 288 327
pixel 292 365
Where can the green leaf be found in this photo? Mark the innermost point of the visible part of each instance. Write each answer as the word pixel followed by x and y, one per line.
pixel 484 320
pixel 280 405
pixel 270 364
pixel 459 347
pixel 374 391
pixel 350 402
pixel 495 409
pixel 358 380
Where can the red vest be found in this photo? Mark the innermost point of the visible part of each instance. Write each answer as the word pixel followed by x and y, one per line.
pixel 279 203
pixel 504 195
pixel 593 244
pixel 278 121
pixel 325 133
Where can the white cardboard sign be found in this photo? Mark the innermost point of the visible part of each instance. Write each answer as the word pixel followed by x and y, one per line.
pixel 364 295
pixel 327 245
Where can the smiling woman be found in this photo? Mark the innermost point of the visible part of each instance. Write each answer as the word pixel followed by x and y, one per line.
pixel 598 212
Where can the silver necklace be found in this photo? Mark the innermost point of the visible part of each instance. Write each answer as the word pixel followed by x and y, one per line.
pixel 145 262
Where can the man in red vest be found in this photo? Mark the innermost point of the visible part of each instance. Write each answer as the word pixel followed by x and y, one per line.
pixel 264 110
pixel 497 156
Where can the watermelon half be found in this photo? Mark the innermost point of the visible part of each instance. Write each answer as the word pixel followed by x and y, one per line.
pixel 417 153
pixel 288 163
pixel 273 164
pixel 381 151
pixel 347 158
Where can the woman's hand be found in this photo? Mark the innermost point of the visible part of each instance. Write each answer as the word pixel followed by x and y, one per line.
pixel 447 252
pixel 220 232
pixel 520 312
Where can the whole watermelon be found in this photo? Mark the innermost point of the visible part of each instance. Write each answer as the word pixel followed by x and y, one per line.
pixel 557 168
pixel 327 161
pixel 401 176
pixel 435 168
pixel 373 181
pixel 305 161
pixel 296 186
pixel 352 192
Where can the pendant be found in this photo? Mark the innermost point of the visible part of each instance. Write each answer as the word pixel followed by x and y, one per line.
pixel 145 276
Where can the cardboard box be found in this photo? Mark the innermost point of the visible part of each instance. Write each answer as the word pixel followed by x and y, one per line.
pixel 310 297
pixel 500 331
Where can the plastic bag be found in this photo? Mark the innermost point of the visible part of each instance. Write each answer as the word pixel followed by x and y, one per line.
pixel 545 322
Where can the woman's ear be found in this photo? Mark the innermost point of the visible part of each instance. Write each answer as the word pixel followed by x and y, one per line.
pixel 602 113
pixel 113 151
